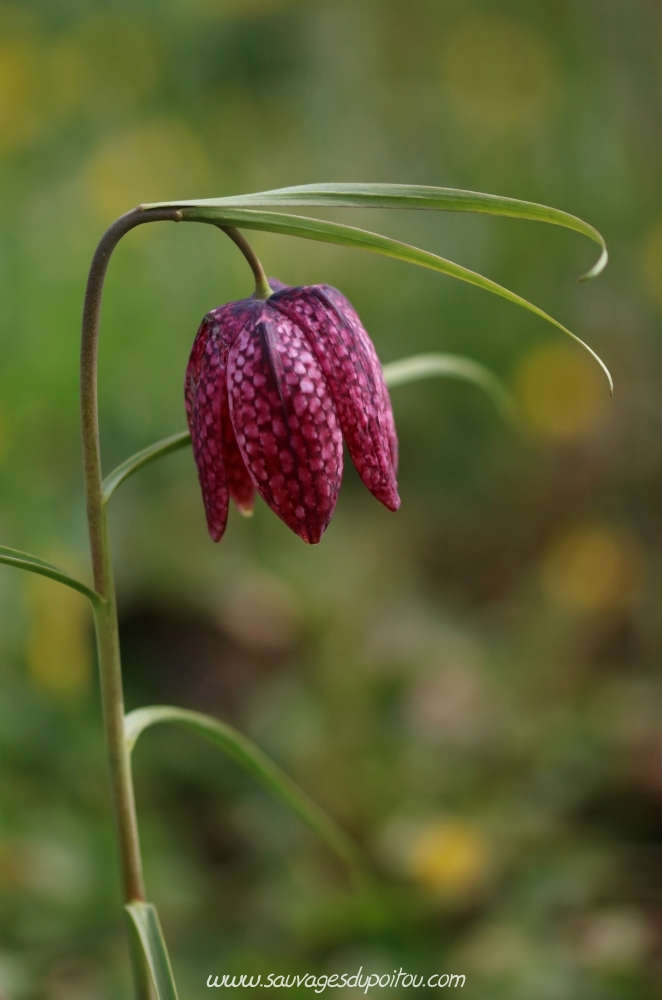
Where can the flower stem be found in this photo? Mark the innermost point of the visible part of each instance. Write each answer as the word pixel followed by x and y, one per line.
pixel 263 291
pixel 106 613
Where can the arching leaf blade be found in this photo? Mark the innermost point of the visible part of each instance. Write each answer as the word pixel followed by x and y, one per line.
pixel 244 752
pixel 142 458
pixel 23 560
pixel 148 941
pixel 421 366
pixel 361 239
pixel 406 196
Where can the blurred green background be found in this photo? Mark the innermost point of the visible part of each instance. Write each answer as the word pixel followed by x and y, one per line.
pixel 472 686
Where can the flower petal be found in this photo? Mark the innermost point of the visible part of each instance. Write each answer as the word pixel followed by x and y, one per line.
pixel 240 484
pixel 205 382
pixel 351 315
pixel 221 469
pixel 276 285
pixel 286 424
pixel 348 359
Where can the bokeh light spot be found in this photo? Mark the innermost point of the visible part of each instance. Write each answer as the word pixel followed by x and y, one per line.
pixel 593 568
pixel 561 392
pixel 20 93
pixel 616 940
pixel 447 705
pixel 111 61
pixel 498 950
pixel 652 263
pixel 158 161
pixel 263 613
pixel 449 857
pixel 59 654
pixel 498 72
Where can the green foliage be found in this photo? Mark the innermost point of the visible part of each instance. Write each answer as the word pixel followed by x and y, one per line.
pixel 23 560
pixel 422 366
pixel 220 213
pixel 148 940
pixel 250 757
pixel 142 458
pixel 409 196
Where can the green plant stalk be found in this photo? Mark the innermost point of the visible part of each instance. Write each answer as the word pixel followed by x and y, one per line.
pixel 105 611
pixel 263 290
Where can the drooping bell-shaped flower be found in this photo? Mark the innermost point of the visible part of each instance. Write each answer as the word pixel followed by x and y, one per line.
pixel 272 387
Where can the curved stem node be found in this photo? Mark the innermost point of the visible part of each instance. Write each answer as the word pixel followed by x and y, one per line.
pixel 263 290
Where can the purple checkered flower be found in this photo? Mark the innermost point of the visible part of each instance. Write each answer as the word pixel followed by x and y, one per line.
pixel 272 387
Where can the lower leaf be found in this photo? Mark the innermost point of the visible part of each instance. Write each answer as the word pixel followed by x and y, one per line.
pixel 451 366
pixel 149 944
pixel 244 752
pixel 24 560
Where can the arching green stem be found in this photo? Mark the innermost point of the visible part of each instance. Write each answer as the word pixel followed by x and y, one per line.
pixel 105 611
pixel 263 290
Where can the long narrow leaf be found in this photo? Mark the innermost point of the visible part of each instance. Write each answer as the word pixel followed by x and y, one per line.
pixel 148 938
pixel 334 232
pixel 244 752
pixel 408 196
pixel 421 366
pixel 23 560
pixel 141 458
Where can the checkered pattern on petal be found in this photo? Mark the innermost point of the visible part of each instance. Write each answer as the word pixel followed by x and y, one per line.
pixel 220 468
pixel 348 359
pixel 240 484
pixel 286 423
pixel 351 315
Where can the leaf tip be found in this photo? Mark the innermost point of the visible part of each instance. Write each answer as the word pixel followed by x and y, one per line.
pixel 607 373
pixel 597 268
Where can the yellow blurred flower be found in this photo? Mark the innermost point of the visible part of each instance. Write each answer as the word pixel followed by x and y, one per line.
pixel 593 568
pixel 652 263
pixel 157 161
pixel 498 72
pixel 59 649
pixel 449 857
pixel 561 392
pixel 21 92
pixel 22 89
pixel 109 62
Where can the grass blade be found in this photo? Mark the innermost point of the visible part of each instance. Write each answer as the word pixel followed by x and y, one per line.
pixel 148 939
pixel 142 458
pixel 23 560
pixel 361 239
pixel 250 757
pixel 421 366
pixel 406 196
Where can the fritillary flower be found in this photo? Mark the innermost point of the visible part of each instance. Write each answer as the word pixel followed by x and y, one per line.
pixel 272 388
